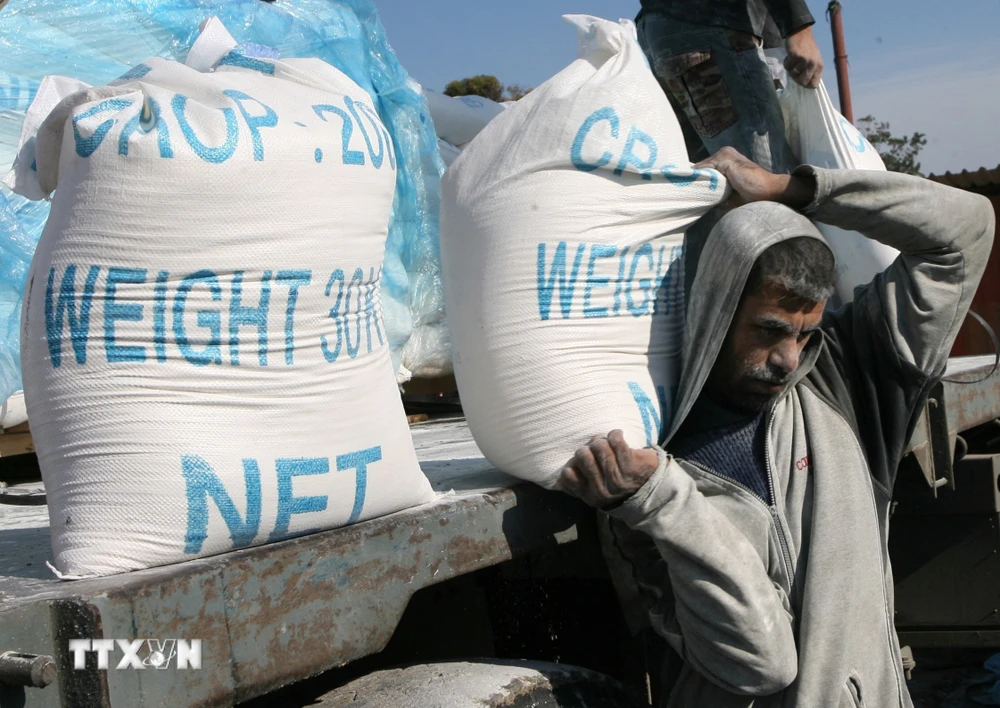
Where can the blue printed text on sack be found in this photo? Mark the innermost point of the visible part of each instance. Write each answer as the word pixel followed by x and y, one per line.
pixel 653 410
pixel 150 315
pixel 600 280
pixel 629 148
pixel 126 120
pixel 205 491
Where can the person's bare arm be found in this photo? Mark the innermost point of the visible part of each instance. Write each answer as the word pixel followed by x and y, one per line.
pixel 794 21
pixel 804 61
pixel 752 183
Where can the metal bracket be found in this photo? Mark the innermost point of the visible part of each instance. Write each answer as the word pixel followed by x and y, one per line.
pixel 942 439
pixel 933 443
pixel 967 397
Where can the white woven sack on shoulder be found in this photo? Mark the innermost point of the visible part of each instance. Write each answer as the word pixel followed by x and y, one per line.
pixel 205 362
pixel 562 230
pixel 820 136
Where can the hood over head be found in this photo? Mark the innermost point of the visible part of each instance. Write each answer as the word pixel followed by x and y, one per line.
pixel 730 252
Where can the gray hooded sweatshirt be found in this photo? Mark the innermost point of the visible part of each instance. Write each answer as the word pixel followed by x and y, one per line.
pixel 791 604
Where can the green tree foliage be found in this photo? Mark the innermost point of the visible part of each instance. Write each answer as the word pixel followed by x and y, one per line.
pixel 515 92
pixel 483 85
pixel 898 153
pixel 486 86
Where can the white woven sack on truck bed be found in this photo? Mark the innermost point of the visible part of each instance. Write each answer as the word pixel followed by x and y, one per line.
pixel 561 242
pixel 459 119
pixel 204 358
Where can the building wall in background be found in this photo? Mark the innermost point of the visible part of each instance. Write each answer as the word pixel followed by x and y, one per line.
pixel 972 338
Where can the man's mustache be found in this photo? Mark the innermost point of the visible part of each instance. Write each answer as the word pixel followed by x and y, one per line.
pixel 772 377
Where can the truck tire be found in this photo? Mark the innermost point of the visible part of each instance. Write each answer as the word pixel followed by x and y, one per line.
pixel 489 684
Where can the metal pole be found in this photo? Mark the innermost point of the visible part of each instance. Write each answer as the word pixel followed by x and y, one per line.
pixel 17 669
pixel 840 59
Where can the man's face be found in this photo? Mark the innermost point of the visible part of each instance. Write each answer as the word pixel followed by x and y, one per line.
pixel 762 348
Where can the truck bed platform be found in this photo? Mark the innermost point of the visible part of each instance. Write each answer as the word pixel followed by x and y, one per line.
pixel 274 614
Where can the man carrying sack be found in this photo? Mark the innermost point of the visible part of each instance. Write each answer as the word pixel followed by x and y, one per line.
pixel 758 531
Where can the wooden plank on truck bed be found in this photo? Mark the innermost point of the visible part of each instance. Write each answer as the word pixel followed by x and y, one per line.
pixel 16 444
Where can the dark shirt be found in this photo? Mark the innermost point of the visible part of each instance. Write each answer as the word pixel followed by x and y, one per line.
pixel 730 444
pixel 742 15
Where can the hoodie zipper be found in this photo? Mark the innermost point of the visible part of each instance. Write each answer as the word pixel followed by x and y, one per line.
pixel 772 507
pixel 891 638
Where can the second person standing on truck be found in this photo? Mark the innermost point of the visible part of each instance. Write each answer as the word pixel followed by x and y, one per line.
pixel 708 56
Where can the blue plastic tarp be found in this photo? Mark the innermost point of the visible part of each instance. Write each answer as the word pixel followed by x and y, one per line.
pixel 97 41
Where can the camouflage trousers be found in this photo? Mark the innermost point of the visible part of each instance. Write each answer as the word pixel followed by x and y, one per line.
pixel 721 87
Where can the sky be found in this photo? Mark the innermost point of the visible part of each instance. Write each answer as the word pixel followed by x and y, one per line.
pixel 920 65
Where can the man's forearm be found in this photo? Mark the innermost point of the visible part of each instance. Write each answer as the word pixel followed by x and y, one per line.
pixel 944 235
pixel 911 214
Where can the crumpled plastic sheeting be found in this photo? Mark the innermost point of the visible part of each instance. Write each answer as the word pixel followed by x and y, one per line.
pixel 97 41
pixel 21 223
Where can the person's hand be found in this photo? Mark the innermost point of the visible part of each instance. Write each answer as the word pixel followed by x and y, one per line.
pixel 804 62
pixel 607 471
pixel 752 183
